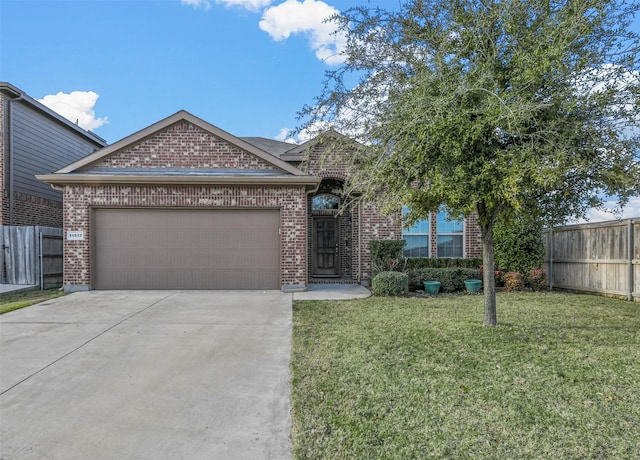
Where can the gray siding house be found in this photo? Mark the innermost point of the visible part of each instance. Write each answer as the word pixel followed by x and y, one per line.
pixel 35 140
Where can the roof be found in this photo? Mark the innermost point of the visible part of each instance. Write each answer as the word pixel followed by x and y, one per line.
pixel 16 94
pixel 84 170
pixel 299 152
pixel 182 115
pixel 275 148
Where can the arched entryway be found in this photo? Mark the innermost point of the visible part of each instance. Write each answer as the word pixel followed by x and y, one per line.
pixel 331 233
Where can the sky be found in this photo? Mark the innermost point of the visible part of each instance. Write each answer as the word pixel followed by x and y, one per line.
pixel 118 66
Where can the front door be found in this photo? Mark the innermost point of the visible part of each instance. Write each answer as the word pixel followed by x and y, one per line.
pixel 326 258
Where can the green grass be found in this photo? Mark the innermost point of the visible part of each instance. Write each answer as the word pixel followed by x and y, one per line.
pixel 387 378
pixel 16 301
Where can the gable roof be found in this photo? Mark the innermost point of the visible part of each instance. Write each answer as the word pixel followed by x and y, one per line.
pixel 80 172
pixel 298 153
pixel 182 115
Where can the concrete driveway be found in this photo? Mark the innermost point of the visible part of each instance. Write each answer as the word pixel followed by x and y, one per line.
pixel 147 375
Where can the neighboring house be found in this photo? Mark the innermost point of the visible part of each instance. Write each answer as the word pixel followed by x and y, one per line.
pixel 35 140
pixel 183 204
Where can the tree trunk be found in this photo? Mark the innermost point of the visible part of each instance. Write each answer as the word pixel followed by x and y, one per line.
pixel 489 280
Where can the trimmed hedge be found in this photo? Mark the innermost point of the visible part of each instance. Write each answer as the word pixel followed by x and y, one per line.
pixel 414 263
pixel 386 255
pixel 390 284
pixel 451 279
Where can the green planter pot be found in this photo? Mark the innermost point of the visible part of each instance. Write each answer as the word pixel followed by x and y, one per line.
pixel 432 287
pixel 473 285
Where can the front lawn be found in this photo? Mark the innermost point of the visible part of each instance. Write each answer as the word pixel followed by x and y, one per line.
pixel 423 378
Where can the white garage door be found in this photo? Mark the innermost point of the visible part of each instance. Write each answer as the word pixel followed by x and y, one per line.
pixel 185 249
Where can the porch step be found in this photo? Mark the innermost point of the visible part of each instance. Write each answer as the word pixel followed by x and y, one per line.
pixel 315 280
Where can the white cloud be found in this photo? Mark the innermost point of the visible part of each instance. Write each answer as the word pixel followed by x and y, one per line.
pixel 285 136
pixel 307 17
pixel 632 209
pixel 77 107
pixel 251 5
pixel 304 135
pixel 312 131
pixel 197 3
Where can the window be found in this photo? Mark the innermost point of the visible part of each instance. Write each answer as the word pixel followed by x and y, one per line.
pixel 450 236
pixel 416 237
pixel 325 202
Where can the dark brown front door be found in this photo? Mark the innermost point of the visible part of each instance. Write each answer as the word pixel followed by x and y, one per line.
pixel 325 247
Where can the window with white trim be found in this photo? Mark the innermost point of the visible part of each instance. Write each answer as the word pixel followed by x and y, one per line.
pixel 449 236
pixel 416 237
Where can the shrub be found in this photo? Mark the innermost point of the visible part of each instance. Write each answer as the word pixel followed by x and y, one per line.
pixel 513 281
pixel 390 283
pixel 498 277
pixel 451 279
pixel 414 263
pixel 537 279
pixel 519 244
pixel 386 255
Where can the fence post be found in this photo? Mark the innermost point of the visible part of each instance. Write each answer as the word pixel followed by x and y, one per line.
pixel 550 246
pixel 41 264
pixel 630 253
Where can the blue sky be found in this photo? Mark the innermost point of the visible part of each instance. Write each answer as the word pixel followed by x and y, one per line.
pixel 246 66
pixel 148 59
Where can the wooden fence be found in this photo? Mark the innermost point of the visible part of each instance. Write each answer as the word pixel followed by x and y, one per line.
pixel 601 257
pixel 31 256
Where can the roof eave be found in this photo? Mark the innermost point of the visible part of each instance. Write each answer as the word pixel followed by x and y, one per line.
pixel 96 179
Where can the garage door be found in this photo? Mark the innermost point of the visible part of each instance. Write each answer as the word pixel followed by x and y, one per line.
pixel 185 249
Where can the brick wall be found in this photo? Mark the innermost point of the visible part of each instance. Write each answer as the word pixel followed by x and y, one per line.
pixel 375 226
pixel 325 164
pixel 33 210
pixel 78 201
pixel 184 145
pixel 472 237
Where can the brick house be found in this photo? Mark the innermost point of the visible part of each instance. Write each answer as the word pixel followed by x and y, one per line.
pixel 35 140
pixel 183 204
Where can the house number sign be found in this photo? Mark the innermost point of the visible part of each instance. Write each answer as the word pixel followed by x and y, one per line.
pixel 75 236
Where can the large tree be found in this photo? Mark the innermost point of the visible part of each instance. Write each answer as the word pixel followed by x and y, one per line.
pixel 498 107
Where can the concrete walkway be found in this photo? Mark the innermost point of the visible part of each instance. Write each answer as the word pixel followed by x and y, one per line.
pixel 147 375
pixel 333 292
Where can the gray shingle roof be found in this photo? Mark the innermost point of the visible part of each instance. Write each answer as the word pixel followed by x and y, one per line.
pixel 275 148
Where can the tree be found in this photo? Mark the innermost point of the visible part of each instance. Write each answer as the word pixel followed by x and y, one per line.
pixel 499 107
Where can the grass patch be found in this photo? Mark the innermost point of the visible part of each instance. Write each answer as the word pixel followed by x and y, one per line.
pixel 15 301
pixel 411 378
